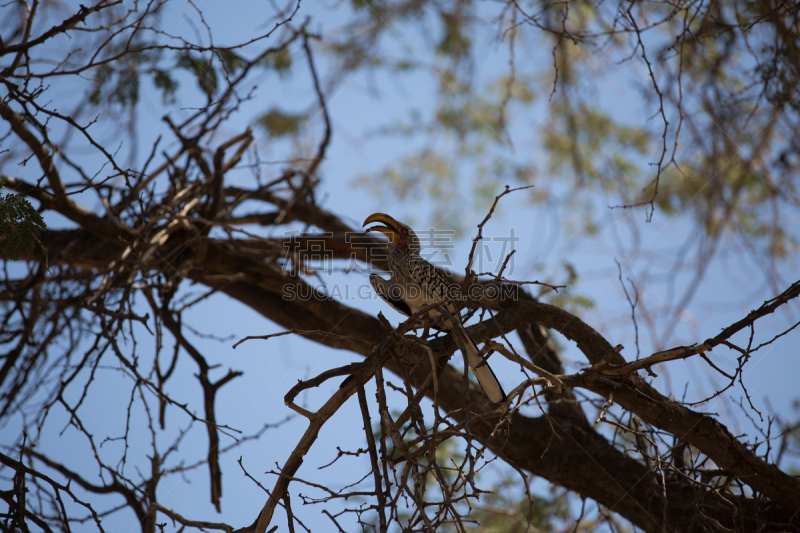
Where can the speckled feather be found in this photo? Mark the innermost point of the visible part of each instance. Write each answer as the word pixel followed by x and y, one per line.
pixel 416 283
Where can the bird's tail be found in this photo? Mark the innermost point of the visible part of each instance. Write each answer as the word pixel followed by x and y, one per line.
pixel 487 379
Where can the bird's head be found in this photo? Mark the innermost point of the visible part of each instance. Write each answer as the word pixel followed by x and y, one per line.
pixel 400 235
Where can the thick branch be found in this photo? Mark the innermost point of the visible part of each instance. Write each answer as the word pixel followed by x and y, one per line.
pixel 638 397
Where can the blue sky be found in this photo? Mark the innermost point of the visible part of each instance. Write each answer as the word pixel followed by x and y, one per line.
pixel 359 105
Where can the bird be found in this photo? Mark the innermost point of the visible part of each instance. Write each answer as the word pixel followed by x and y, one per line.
pixel 415 283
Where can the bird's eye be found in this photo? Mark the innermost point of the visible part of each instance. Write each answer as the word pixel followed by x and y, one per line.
pixel 404 232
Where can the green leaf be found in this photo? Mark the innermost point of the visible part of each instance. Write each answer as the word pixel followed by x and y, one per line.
pixel 118 82
pixel 454 42
pixel 126 91
pixel 203 70
pixel 277 123
pixel 230 60
pixel 20 224
pixel 168 85
pixel 280 61
pixel 364 4
pixel 103 73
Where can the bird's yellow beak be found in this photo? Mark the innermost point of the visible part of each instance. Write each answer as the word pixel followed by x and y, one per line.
pixel 391 229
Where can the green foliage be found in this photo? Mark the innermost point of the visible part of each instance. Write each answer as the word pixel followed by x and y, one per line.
pixel 166 83
pixel 19 224
pixel 280 61
pixel 423 175
pixel 781 75
pixel 118 81
pixel 734 202
pixel 587 143
pixel 125 90
pixel 203 71
pixel 278 124
pixel 568 298
pixel 231 61
pixel 478 161
pixel 454 42
pixel 364 4
pixel 504 512
pixel 722 153
pixel 102 75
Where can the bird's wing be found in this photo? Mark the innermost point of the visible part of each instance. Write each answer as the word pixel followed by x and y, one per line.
pixel 380 286
pixel 435 285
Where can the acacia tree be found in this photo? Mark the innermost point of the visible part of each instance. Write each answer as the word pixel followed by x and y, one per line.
pixel 131 225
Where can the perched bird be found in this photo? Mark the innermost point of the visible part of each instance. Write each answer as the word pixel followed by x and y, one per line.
pixel 416 283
